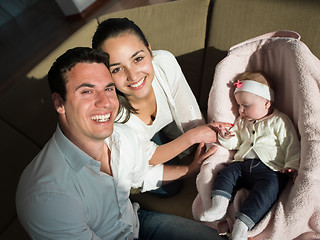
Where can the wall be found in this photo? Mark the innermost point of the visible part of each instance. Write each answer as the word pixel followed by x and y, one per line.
pixel 9 9
pixel 71 7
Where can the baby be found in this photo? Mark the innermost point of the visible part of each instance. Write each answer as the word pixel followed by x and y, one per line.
pixel 268 150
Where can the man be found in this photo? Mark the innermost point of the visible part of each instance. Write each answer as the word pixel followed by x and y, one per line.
pixel 78 186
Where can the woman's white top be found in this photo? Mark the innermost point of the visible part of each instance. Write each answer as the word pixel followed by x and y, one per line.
pixel 177 107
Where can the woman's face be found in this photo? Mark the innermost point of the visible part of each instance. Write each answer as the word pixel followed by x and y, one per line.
pixel 130 65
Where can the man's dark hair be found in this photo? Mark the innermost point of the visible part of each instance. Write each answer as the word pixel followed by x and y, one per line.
pixel 56 75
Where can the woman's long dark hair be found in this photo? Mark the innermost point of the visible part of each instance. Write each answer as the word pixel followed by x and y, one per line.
pixel 114 27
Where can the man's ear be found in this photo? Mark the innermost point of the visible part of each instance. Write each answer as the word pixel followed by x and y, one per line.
pixel 58 103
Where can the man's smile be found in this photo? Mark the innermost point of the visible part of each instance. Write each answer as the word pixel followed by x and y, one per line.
pixel 101 118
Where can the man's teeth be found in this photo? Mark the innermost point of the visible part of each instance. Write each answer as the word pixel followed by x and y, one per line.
pixel 138 84
pixel 101 118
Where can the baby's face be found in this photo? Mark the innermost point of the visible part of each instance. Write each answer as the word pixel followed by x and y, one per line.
pixel 251 106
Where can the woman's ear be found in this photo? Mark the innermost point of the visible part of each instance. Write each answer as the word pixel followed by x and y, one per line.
pixel 150 50
pixel 58 103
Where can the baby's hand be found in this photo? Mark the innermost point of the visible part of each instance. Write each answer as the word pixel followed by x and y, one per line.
pixel 291 172
pixel 225 132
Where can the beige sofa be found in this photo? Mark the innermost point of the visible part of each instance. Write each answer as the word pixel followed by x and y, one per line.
pixel 197 32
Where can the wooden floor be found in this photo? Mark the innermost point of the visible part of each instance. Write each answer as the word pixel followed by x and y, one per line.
pixel 31 36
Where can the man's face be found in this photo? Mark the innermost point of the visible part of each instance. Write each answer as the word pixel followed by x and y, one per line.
pixel 91 103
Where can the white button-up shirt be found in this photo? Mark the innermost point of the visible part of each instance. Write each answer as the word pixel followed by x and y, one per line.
pixel 177 107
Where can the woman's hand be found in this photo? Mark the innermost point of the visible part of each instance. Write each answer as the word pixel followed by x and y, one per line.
pixel 207 133
pixel 225 132
pixel 201 155
pixel 174 172
pixel 221 124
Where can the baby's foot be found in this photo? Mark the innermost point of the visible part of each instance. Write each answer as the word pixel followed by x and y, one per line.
pixel 217 211
pixel 239 231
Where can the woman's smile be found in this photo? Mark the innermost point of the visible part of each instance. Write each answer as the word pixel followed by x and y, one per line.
pixel 138 85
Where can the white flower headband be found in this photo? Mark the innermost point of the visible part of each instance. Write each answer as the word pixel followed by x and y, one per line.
pixel 254 87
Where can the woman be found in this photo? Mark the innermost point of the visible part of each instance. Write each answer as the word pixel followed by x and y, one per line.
pixel 155 98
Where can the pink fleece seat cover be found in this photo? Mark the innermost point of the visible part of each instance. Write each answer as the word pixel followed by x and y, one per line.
pixel 296 75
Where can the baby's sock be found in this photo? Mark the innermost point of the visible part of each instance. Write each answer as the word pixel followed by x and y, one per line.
pixel 218 209
pixel 239 231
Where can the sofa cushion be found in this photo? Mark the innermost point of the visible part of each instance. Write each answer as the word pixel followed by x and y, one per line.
pixel 81 38
pixel 28 107
pixel 16 152
pixel 233 21
pixel 14 231
pixel 179 27
pixel 179 204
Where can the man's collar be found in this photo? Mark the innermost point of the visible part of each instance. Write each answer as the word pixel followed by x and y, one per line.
pixel 73 155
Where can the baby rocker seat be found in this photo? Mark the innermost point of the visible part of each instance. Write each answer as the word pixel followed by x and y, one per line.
pixel 295 72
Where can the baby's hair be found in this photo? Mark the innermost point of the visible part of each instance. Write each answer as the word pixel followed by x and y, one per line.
pixel 260 77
